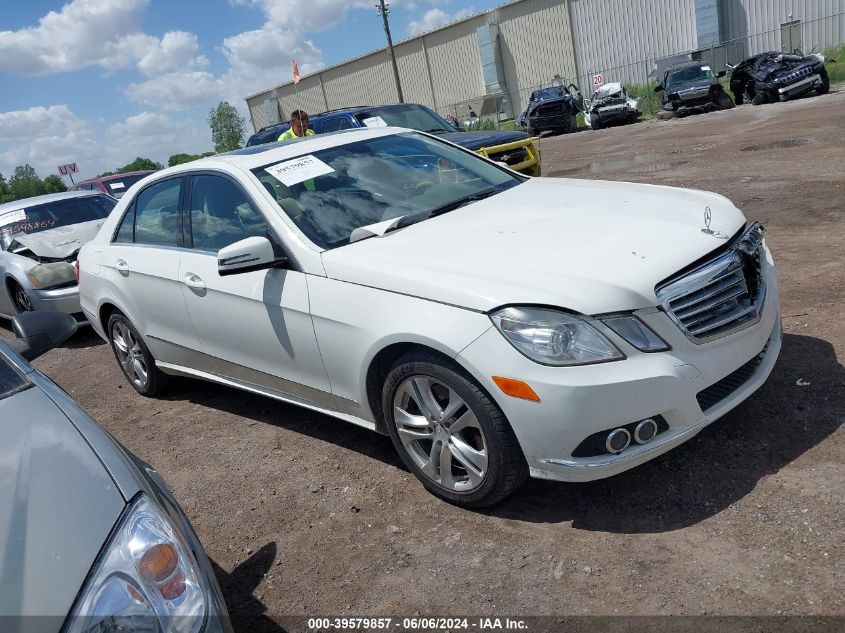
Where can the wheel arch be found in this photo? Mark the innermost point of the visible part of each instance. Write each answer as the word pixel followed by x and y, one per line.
pixel 380 365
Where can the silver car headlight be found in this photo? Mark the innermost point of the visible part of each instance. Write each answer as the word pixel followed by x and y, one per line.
pixel 51 275
pixel 553 337
pixel 146 579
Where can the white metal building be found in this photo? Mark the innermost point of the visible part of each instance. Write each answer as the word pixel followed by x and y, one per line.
pixel 522 45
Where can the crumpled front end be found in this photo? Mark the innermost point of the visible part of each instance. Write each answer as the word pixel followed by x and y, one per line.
pixel 611 107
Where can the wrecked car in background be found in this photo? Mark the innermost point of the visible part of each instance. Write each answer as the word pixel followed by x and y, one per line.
pixel 39 240
pixel 772 76
pixel 552 110
pixel 692 88
pixel 611 105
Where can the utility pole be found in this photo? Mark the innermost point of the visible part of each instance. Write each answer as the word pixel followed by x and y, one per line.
pixel 383 10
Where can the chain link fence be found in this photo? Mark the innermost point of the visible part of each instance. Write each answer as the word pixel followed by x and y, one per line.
pixel 499 110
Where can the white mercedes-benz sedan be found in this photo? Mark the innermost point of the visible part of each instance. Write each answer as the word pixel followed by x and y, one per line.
pixel 494 325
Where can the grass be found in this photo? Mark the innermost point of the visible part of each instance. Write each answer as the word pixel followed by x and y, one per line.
pixel 836 71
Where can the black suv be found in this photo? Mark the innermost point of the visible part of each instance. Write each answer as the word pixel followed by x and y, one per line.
pixel 552 110
pixel 692 88
pixel 772 76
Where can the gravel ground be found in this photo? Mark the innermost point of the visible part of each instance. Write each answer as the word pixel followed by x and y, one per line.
pixel 304 515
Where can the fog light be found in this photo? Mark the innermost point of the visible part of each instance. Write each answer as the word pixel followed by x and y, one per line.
pixel 618 440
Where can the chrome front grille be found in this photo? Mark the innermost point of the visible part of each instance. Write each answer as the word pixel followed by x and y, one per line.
pixel 722 295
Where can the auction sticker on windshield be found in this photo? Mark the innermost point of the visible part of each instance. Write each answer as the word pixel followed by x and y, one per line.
pixel 293 172
pixel 374 121
pixel 12 217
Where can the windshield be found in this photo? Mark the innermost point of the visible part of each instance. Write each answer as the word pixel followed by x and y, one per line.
pixel 52 215
pixel 330 193
pixel 118 186
pixel 689 74
pixel 11 380
pixel 411 116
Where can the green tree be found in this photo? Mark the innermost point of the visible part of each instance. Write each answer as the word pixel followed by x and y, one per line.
pixel 227 127
pixel 25 183
pixel 5 194
pixel 54 184
pixel 24 172
pixel 139 164
pixel 178 159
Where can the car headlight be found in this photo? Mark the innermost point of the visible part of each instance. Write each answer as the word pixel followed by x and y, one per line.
pixel 51 275
pixel 635 332
pixel 146 579
pixel 552 337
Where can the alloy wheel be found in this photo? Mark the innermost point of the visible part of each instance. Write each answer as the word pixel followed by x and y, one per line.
pixel 22 301
pixel 129 354
pixel 440 433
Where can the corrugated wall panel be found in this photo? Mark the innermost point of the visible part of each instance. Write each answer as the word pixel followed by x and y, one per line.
pixel 455 63
pixel 536 44
pixel 621 39
pixel 360 82
pixel 822 24
pixel 413 72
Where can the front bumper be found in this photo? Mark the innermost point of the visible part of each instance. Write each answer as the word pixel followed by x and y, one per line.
pixel 58 300
pixel 800 87
pixel 576 402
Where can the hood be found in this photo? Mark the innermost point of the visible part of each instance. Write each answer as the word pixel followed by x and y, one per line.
pixel 57 507
pixel 477 140
pixel 607 90
pixel 61 242
pixel 695 83
pixel 590 246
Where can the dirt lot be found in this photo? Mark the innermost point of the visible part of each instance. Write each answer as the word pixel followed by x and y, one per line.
pixel 306 515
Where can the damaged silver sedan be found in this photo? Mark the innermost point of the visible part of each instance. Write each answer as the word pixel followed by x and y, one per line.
pixel 610 106
pixel 40 238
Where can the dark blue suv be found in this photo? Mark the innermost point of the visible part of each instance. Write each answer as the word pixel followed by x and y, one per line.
pixel 516 149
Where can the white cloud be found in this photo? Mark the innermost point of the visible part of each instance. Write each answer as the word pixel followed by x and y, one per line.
pixel 46 137
pixel 176 91
pixel 435 18
pixel 306 16
pixel 87 33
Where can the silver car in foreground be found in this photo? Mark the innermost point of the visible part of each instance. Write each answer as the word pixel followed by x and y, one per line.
pixel 91 539
pixel 39 240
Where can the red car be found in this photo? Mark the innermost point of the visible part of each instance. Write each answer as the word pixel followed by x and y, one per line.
pixel 115 185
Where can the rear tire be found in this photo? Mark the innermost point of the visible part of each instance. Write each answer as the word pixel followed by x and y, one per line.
pixel 134 357
pixel 759 99
pixel 449 432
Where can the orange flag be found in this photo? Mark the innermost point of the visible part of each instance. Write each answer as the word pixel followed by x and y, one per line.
pixel 295 68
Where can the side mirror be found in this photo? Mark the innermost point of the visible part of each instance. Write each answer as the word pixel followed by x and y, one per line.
pixel 658 88
pixel 252 253
pixel 720 74
pixel 39 332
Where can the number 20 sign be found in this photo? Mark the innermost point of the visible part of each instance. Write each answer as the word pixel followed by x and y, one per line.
pixel 598 80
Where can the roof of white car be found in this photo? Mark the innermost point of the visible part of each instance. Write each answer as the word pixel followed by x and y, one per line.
pixel 23 203
pixel 258 155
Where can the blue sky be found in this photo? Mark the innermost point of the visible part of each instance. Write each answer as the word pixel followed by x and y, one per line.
pixel 99 82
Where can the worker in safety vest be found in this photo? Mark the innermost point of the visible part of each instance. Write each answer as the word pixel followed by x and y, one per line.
pixel 298 126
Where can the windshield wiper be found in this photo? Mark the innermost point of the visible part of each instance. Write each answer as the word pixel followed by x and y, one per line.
pixel 408 220
pixel 456 204
pixel 438 130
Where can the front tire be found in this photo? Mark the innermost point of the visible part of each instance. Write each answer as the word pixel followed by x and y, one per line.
pixel 135 360
pixel 724 101
pixel 20 298
pixel 450 433
pixel 824 88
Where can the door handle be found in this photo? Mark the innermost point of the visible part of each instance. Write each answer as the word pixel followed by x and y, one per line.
pixel 194 282
pixel 122 266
